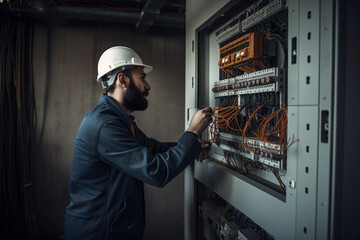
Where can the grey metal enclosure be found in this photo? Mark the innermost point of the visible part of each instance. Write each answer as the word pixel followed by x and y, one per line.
pixel 284 51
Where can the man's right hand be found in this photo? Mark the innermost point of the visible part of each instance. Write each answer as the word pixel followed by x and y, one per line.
pixel 200 121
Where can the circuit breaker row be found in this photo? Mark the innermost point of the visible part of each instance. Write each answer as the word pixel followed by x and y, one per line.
pixel 258 88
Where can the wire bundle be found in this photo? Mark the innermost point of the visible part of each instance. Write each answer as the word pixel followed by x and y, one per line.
pixel 276 173
pixel 226 118
pixel 18 126
pixel 230 161
pixel 265 123
pixel 250 66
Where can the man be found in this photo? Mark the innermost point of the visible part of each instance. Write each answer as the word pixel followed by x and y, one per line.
pixel 113 157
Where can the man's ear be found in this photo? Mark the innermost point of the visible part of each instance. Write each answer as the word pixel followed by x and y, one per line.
pixel 121 80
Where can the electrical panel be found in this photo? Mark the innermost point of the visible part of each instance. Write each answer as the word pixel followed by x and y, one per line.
pixel 250 111
pixel 263 67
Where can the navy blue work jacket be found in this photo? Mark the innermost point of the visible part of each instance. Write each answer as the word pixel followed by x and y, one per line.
pixel 108 171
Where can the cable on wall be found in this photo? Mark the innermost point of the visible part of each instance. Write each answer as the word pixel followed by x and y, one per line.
pixel 18 126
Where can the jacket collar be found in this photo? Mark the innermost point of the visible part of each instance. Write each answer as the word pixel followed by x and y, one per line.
pixel 129 120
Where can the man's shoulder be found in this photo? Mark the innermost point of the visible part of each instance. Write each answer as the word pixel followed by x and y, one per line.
pixel 101 114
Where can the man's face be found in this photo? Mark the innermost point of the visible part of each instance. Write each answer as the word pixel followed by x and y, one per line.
pixel 138 90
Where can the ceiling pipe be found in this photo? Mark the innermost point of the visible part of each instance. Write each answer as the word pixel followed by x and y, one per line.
pixel 148 14
pixel 95 15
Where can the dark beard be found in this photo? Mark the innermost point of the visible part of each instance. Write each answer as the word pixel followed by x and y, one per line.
pixel 134 99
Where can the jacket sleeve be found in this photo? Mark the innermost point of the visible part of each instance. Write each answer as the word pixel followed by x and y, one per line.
pixel 154 145
pixel 118 148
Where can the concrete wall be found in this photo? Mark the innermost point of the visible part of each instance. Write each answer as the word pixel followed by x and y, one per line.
pixel 65 68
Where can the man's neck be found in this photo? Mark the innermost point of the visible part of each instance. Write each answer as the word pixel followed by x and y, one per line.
pixel 126 110
pixel 120 104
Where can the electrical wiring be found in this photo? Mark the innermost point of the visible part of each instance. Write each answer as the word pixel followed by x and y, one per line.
pixel 244 138
pixel 258 63
pixel 18 216
pixel 275 171
pixel 230 161
pixel 233 163
pixel 229 73
pixel 225 116
pixel 9 193
pixel 281 42
pixel 250 116
pixel 250 165
pixel 255 166
pixel 264 123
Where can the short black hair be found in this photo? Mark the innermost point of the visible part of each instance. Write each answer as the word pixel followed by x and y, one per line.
pixel 111 88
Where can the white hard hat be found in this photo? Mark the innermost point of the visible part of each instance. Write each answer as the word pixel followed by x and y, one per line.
pixel 118 57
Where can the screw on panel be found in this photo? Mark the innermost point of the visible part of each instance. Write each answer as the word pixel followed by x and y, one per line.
pixel 306 190
pixel 305 230
pixel 309 14
pixel 307 169
pixel 307 148
pixel 309 35
pixel 308 80
pixel 309 59
pixel 308 126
